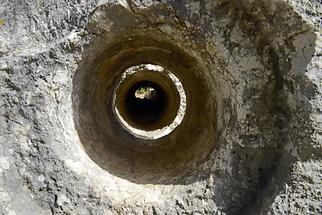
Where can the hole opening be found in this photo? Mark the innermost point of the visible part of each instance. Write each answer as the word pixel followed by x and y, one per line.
pixel 149 101
pixel 145 102
pixel 167 150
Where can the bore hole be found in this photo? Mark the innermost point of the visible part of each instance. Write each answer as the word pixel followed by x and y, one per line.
pixel 145 102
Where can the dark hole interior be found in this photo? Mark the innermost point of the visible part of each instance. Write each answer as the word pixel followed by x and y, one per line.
pixel 145 102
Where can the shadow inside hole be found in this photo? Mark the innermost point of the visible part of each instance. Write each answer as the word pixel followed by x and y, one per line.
pixel 145 102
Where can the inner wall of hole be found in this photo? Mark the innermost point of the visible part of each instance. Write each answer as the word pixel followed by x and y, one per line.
pixel 169 82
pixel 116 151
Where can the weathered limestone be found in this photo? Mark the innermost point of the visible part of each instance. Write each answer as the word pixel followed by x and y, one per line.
pixel 250 141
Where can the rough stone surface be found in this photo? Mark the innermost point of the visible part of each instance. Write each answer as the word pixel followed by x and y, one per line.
pixel 262 64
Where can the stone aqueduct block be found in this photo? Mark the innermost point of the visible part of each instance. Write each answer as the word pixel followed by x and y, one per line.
pixel 236 123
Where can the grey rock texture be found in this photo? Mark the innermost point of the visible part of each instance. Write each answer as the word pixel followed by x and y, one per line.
pixel 259 68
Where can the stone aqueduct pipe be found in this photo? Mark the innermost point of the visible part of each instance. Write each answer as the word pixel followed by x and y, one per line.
pixel 233 125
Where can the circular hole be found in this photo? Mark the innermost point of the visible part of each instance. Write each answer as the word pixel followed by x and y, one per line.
pixel 149 101
pixel 145 103
pixel 182 133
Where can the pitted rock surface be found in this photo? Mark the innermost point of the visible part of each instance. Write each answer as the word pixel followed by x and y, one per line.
pixel 251 143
